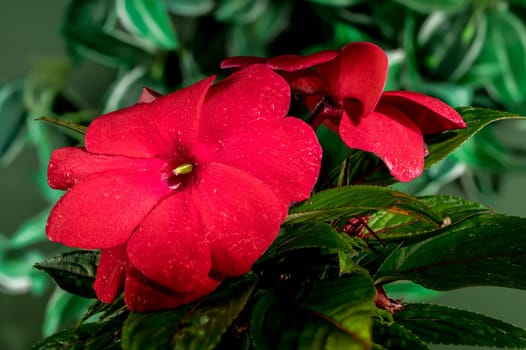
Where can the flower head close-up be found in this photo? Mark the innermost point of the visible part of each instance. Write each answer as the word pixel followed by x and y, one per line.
pixel 184 190
pixel 344 90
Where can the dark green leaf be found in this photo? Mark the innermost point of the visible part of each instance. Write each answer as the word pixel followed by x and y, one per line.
pixel 483 250
pixel 190 7
pixel 476 118
pixel 88 336
pixel 148 20
pixel 337 2
pixel 73 271
pixel 396 337
pixel 395 227
pixel 316 235
pixel 333 314
pixel 348 201
pixel 444 325
pixel 194 326
pixel 12 114
pixel 240 11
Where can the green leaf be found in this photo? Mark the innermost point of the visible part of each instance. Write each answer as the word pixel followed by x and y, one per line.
pixel 81 129
pixel 483 250
pixel 396 227
pixel 331 314
pixel 30 232
pixel 349 201
pixel 12 114
pixel 240 11
pixel 396 337
pixel 113 49
pixel 429 6
pixel 337 2
pixel 148 20
pixel 88 336
pixel 191 8
pixel 73 271
pixel 444 325
pixel 476 118
pixel 196 326
pixel 506 45
pixel 316 235
pixel 63 308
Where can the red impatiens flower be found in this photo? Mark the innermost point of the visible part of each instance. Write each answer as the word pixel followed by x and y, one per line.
pixel 184 190
pixel 344 89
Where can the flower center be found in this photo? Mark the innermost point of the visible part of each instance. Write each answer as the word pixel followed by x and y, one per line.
pixel 177 176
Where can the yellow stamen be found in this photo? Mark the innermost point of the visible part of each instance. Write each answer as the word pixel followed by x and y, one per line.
pixel 182 169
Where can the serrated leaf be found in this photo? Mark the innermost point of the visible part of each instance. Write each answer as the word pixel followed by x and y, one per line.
pixel 445 325
pixel 396 337
pixel 148 20
pixel 88 336
pixel 196 326
pixel 334 314
pixel 316 235
pixel 483 250
pixel 348 201
pixel 395 227
pixel 12 114
pixel 476 119
pixel 73 271
pixel 190 7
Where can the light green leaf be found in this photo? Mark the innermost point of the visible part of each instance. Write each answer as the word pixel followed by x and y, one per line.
pixel 12 114
pixel 30 232
pixel 444 325
pixel 429 6
pixel 148 20
pixel 240 11
pixel 73 271
pixel 349 201
pixel 483 250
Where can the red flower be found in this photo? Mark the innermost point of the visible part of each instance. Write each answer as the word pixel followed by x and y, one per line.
pixel 183 190
pixel 345 90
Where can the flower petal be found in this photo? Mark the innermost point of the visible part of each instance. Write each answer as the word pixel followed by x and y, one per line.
pixel 242 61
pixel 290 63
pixel 154 129
pixel 356 78
pixel 284 154
pixel 241 216
pixel 252 93
pixel 69 165
pixel 142 295
pixel 103 211
pixel 168 246
pixel 148 95
pixel 390 135
pixel 430 114
pixel 109 281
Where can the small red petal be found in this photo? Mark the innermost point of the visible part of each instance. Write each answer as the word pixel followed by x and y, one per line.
pixel 142 295
pixel 390 135
pixel 102 211
pixel 429 113
pixel 69 165
pixel 109 281
pixel 148 95
pixel 241 216
pixel 242 61
pixel 358 75
pixel 290 63
pixel 152 129
pixel 169 247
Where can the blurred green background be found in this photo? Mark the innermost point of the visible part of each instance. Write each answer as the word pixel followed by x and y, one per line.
pixel 31 44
